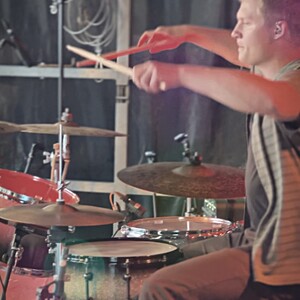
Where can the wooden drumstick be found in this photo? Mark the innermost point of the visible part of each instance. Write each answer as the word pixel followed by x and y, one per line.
pixel 111 64
pixel 116 54
pixel 108 63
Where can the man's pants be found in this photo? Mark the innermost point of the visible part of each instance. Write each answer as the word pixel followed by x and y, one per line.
pixel 221 274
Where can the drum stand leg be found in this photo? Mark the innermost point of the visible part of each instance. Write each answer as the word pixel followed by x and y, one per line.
pixel 88 276
pixel 59 277
pixel 56 236
pixel 127 278
pixel 11 262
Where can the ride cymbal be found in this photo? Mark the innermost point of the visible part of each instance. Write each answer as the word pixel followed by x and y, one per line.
pixel 183 179
pixel 47 215
pixel 68 128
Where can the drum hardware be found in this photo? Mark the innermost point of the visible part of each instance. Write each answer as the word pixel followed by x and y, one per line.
pixel 209 208
pixel 129 231
pixel 151 158
pixel 194 159
pixel 88 276
pixel 132 207
pixel 176 230
pixel 127 277
pixel 56 238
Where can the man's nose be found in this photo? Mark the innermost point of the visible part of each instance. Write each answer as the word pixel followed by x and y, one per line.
pixel 236 32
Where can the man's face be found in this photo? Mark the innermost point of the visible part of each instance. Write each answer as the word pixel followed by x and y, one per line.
pixel 253 37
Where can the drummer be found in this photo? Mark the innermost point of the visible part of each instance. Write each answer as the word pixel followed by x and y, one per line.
pixel 265 258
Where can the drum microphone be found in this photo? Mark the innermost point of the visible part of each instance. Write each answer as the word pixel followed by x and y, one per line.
pixel 133 207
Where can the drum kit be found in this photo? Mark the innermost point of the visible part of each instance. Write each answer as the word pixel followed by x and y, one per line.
pixel 45 210
pixel 114 267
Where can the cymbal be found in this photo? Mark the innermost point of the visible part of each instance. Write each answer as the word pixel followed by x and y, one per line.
pixel 47 215
pixel 6 127
pixel 183 179
pixel 68 128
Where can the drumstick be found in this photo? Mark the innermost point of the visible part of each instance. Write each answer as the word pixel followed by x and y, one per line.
pixel 116 54
pixel 113 65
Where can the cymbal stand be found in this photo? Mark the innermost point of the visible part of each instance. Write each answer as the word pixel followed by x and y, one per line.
pixel 88 276
pixel 127 277
pixel 55 163
pixel 64 148
pixel 151 157
pixel 195 159
pixel 12 259
pixel 57 236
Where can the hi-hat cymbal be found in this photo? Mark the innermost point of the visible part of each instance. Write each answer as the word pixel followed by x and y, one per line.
pixel 47 215
pixel 68 128
pixel 183 179
pixel 6 127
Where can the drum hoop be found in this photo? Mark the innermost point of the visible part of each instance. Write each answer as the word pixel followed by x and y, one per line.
pixel 23 199
pixel 11 195
pixel 223 226
pixel 162 258
pixel 122 261
pixel 209 232
pixel 32 272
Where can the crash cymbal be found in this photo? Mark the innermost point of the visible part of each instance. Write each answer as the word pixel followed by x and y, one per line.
pixel 183 179
pixel 47 215
pixel 6 127
pixel 68 128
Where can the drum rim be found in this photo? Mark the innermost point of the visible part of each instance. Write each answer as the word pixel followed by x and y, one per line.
pixel 225 224
pixel 11 195
pixel 162 258
pixel 195 219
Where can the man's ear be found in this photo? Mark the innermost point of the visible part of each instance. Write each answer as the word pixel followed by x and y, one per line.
pixel 280 29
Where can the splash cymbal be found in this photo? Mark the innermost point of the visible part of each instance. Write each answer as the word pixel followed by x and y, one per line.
pixel 68 128
pixel 47 215
pixel 183 179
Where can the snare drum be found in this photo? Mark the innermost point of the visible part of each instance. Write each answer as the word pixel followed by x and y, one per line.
pixel 107 264
pixel 23 189
pixel 177 230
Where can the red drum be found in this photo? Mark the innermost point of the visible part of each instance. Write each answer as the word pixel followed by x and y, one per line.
pixel 178 230
pixel 22 287
pixel 104 263
pixel 23 189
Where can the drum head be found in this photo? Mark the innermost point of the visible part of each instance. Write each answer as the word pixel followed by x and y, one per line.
pixel 121 248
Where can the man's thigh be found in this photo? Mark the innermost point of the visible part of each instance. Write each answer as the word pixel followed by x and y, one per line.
pixel 219 275
pixel 212 244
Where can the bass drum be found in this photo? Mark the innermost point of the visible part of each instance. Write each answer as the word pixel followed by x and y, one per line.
pixel 23 189
pixel 176 230
pixel 114 268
